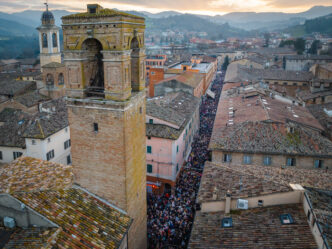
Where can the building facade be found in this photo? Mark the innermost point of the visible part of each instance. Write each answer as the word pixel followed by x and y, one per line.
pixel 172 121
pixel 106 107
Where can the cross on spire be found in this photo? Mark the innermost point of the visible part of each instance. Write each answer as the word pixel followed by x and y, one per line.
pixel 46 4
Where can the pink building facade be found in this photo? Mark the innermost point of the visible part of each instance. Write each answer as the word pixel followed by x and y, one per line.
pixel 169 145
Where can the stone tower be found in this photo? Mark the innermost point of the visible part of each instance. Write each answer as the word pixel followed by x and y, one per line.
pixel 104 57
pixel 49 39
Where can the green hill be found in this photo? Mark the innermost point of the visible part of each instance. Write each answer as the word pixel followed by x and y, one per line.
pixel 322 25
pixel 187 22
pixel 12 28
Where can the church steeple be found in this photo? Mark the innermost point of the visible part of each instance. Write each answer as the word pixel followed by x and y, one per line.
pixel 49 39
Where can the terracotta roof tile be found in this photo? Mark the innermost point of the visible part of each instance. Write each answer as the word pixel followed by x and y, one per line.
pixel 253 228
pixel 219 179
pixel 30 174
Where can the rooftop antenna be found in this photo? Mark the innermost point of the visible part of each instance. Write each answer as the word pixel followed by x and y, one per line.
pixel 46 4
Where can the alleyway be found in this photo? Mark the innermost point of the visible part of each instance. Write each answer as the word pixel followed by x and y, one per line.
pixel 170 217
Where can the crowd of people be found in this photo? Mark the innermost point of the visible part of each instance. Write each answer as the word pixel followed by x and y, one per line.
pixel 171 215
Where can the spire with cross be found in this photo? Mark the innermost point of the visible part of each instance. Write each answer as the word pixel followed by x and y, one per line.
pixel 46 4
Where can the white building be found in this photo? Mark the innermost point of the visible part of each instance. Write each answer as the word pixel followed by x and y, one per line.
pixel 44 135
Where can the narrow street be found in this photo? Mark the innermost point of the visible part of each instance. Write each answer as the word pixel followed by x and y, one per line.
pixel 170 217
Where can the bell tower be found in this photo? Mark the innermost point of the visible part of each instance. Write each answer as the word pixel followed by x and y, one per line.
pixel 49 39
pixel 104 57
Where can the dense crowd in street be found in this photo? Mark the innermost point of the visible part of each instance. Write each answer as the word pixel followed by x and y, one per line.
pixel 170 216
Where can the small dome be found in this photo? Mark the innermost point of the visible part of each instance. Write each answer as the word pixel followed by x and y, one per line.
pixel 47 17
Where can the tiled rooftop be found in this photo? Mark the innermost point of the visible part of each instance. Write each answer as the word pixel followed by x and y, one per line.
pixel 85 220
pixel 270 138
pixel 318 112
pixel 31 98
pixel 219 179
pixel 15 123
pixel 175 108
pixel 162 131
pixel 30 174
pixel 53 65
pixel 305 177
pixel 238 73
pixel 253 228
pixel 15 87
pixel 31 238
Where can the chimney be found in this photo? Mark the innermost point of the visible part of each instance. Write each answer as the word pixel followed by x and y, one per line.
pixel 228 202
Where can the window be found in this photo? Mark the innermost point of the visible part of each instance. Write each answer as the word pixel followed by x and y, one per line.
pixel 291 129
pixel 226 222
pixel 44 40
pixel 276 83
pixel 267 160
pixel 17 154
pixel 149 149
pixel 177 167
pixel 177 148
pixel 290 161
pixel 61 79
pixel 150 121
pixel 308 215
pixel 294 84
pixel 68 159
pixel 54 40
pixel 49 140
pixel 323 99
pixel 286 219
pixel 227 158
pixel 149 138
pixel 285 83
pixel 247 159
pixel 1 155
pixel 66 130
pixel 50 155
pixel 318 164
pixel 95 127
pixel 67 144
pixel 184 68
pixel 33 142
pixel 260 203
pixel 149 168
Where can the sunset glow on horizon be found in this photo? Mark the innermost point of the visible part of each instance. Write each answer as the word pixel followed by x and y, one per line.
pixel 204 7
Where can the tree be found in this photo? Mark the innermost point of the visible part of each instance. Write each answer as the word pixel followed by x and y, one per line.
pixel 299 45
pixel 226 63
pixel 314 47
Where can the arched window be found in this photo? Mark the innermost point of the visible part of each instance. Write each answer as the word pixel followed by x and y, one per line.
pixel 44 40
pixel 61 79
pixel 49 80
pixel 54 40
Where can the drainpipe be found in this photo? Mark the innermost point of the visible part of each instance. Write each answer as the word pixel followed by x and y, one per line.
pixel 228 202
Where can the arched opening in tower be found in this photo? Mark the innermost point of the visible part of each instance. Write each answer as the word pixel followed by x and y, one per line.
pixel 134 64
pixel 94 68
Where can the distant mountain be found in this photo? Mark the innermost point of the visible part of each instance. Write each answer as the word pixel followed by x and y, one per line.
pixel 12 28
pixel 269 20
pixel 32 18
pixel 242 20
pixel 321 24
pixel 188 22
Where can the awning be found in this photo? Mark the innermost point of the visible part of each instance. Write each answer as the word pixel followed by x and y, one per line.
pixel 210 93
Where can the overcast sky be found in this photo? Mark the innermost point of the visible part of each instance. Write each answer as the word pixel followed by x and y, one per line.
pixel 210 7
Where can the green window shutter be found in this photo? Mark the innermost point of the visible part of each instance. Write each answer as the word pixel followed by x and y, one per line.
pixel 149 168
pixel 149 149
